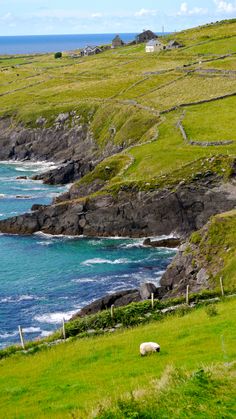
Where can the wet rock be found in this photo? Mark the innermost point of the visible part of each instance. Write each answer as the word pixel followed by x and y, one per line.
pixel 118 299
pixel 146 290
pixel 169 243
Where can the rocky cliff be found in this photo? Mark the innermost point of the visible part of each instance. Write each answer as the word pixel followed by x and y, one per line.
pixel 67 141
pixel 208 255
pixel 181 210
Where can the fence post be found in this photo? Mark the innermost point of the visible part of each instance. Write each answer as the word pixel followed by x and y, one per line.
pixel 187 295
pixel 64 329
pixel 21 337
pixel 152 297
pixel 112 311
pixel 222 286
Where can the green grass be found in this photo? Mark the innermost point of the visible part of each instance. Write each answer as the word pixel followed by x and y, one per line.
pixel 204 393
pixel 74 377
pixel 222 125
pixel 216 248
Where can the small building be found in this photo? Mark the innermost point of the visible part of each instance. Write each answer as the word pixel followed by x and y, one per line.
pixel 154 45
pixel 117 42
pixel 90 50
pixel 145 36
pixel 173 45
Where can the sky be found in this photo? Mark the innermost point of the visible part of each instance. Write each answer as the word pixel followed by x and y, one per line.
pixel 42 17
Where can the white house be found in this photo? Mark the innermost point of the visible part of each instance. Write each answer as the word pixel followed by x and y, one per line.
pixel 90 50
pixel 154 45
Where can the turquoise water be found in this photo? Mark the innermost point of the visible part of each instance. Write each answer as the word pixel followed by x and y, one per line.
pixel 45 278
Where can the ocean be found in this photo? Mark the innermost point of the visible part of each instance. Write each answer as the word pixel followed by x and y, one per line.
pixel 44 279
pixel 52 43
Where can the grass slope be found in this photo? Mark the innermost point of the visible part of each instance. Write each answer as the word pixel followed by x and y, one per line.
pixel 71 379
pixel 216 248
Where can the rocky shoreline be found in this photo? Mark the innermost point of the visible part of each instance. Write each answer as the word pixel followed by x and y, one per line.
pixel 67 140
pixel 176 211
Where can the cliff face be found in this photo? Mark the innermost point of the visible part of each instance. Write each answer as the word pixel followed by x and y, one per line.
pixel 208 255
pixel 68 142
pixel 137 214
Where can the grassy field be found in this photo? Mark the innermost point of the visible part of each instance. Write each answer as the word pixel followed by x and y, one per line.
pixel 71 379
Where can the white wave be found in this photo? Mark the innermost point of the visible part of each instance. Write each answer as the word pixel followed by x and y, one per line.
pixel 135 244
pixel 8 335
pixel 45 334
pixel 2 195
pixel 17 299
pixel 31 329
pixel 46 243
pixel 97 261
pixel 56 236
pixel 32 166
pixel 55 318
pixel 83 280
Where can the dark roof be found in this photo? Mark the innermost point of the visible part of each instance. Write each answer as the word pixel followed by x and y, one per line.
pixel 173 42
pixel 117 38
pixel 146 35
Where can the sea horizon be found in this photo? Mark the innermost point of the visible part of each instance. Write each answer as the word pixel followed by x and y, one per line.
pixel 42 44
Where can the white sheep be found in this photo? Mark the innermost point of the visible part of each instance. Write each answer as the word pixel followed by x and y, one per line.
pixel 149 347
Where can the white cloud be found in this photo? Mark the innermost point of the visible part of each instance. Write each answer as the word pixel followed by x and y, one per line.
pixel 186 11
pixel 146 12
pixel 5 18
pixel 96 15
pixel 225 7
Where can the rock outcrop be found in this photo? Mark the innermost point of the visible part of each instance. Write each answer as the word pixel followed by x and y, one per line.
pixel 133 214
pixel 118 299
pixel 122 298
pixel 171 242
pixel 67 142
pixel 205 257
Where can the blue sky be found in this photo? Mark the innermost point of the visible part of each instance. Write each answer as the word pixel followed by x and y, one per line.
pixel 27 17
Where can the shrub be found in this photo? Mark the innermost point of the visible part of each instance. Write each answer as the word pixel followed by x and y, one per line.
pixel 211 310
pixel 58 55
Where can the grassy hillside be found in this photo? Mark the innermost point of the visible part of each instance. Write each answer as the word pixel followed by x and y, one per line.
pixel 72 379
pixel 216 248
pixel 124 92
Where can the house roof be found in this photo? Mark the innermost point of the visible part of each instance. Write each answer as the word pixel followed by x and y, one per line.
pixel 117 38
pixel 91 47
pixel 147 34
pixel 153 43
pixel 174 42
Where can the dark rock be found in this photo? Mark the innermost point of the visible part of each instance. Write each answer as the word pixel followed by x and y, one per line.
pixel 21 178
pixel 118 299
pixel 133 214
pixel 146 290
pixel 41 121
pixel 73 149
pixel 37 207
pixel 170 243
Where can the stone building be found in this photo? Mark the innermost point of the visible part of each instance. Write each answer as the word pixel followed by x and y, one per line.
pixel 154 45
pixel 117 42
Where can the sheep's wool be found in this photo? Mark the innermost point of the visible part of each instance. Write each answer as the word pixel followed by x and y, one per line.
pixel 148 347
